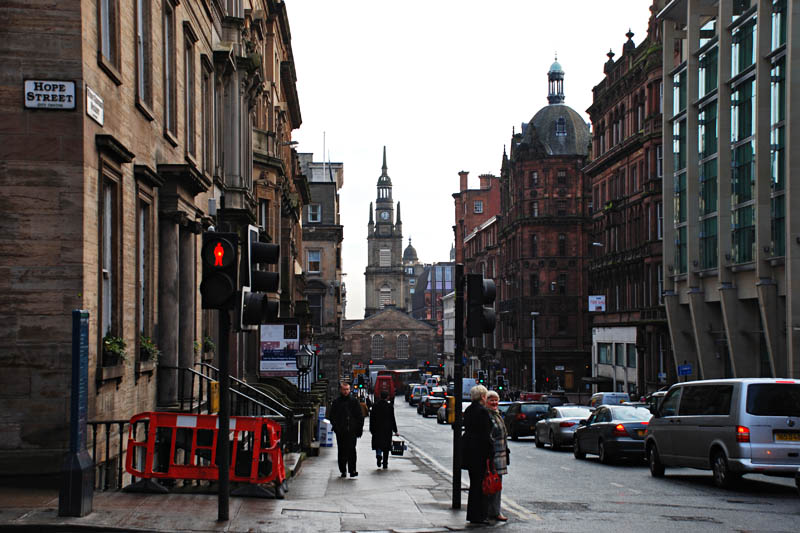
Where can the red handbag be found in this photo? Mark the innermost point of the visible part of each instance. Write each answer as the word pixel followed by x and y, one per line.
pixel 492 482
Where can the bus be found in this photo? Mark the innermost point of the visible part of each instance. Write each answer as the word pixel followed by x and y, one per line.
pixel 401 378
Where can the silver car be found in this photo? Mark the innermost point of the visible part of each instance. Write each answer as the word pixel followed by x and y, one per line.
pixel 729 426
pixel 559 424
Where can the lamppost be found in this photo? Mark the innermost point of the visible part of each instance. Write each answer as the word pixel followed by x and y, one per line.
pixel 304 359
pixel 534 314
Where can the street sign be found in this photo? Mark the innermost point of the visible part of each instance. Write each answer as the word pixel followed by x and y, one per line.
pixel 662 377
pixel 685 370
pixel 559 368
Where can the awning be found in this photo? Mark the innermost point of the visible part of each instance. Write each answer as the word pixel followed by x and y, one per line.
pixel 597 380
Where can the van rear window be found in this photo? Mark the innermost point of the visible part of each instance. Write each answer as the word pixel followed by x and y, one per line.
pixel 773 399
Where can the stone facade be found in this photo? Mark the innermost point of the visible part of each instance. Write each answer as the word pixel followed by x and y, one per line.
pixel 105 214
pixel 626 179
pixel 389 337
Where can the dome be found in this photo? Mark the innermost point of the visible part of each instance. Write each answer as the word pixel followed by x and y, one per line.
pixel 555 67
pixel 410 254
pixel 560 130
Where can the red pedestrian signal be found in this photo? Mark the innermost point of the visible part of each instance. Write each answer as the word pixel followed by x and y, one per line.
pixel 220 269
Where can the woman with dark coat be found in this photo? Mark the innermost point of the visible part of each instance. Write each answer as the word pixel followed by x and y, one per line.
pixel 477 448
pixel 382 424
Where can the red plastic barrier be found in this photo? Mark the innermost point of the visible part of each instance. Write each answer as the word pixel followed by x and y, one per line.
pixel 256 455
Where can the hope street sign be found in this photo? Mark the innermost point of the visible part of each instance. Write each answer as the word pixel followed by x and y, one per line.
pixel 685 370
pixel 49 94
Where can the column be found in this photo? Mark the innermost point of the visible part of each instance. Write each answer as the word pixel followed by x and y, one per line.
pixel 168 326
pixel 186 319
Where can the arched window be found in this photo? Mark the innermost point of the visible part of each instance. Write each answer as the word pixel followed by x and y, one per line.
pixel 377 347
pixel 385 296
pixel 561 127
pixel 402 346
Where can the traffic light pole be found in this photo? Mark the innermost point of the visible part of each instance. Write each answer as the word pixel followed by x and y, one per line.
pixel 458 371
pixel 223 442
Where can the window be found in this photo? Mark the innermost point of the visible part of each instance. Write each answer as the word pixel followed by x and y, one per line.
pixel 562 177
pixel 561 127
pixel 634 183
pixel 534 245
pixel 534 284
pixel 478 206
pixel 659 220
pixel 563 322
pixel 535 208
pixel 144 54
pixel 263 214
pixel 561 208
pixel 402 346
pixel 604 353
pixel 109 251
pixel 144 264
pixel 385 257
pixel 706 400
pixel 315 306
pixel 659 161
pixel 377 347
pixel 619 359
pixel 314 213
pixel 207 118
pixel 170 111
pixel 631 355
pixel 313 260
pixel 534 178
pixel 562 283
pixel 385 297
pixel 108 25
pixel 562 244
pixel 188 87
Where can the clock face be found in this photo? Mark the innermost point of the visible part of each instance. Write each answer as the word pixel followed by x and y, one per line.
pixel 385 215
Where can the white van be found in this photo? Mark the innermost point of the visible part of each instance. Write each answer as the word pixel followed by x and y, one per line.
pixel 608 398
pixel 729 426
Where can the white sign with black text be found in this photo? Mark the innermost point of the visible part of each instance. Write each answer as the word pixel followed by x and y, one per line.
pixel 49 94
pixel 94 105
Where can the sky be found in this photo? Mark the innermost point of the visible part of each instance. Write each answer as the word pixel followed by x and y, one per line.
pixel 441 84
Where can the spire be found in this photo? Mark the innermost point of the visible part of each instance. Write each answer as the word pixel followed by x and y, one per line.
pixel 384 168
pixel 398 214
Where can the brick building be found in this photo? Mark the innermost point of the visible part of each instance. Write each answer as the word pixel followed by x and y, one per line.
pixel 630 338
pixel 105 201
pixel 544 247
pixel 473 207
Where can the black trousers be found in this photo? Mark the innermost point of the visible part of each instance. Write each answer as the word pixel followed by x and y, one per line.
pixel 477 503
pixel 346 444
pixel 384 454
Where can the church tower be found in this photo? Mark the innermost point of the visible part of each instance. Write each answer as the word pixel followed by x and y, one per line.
pixel 384 274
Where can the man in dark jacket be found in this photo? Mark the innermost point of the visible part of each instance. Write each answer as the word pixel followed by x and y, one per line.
pixel 382 424
pixel 348 424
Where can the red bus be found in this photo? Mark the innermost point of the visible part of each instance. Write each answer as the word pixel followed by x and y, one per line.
pixel 401 378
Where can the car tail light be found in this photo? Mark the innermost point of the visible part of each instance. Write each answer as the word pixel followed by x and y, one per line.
pixel 521 416
pixel 644 423
pixel 566 424
pixel 784 381
pixel 742 434
pixel 620 431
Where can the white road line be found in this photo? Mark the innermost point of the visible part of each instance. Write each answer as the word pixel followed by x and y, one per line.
pixel 513 507
pixel 568 469
pixel 617 485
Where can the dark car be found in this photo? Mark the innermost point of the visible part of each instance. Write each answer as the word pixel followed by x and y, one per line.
pixel 409 388
pixel 521 418
pixel 612 431
pixel 429 405
pixel 417 392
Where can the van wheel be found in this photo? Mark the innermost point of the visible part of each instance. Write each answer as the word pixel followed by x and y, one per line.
pixel 605 457
pixel 654 461
pixel 576 450
pixel 723 477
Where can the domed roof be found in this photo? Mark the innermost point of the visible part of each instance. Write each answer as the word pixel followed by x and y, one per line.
pixel 560 130
pixel 410 254
pixel 556 67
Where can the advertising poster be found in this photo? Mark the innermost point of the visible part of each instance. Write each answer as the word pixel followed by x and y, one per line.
pixel 597 303
pixel 279 345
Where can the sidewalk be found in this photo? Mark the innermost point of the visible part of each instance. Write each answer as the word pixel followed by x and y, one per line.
pixel 408 497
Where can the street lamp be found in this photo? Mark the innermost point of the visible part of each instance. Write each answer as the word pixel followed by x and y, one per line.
pixel 534 314
pixel 303 359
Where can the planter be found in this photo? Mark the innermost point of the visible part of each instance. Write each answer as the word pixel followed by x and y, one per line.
pixel 112 359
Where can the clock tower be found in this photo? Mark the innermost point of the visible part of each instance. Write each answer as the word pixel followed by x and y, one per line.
pixel 384 281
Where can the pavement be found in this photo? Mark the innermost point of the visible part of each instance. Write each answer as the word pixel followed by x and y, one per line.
pixel 409 497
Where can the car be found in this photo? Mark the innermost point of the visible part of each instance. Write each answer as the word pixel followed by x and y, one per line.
pixel 441 414
pixel 417 392
pixel 409 389
pixel 429 405
pixel 608 398
pixel 654 400
pixel 502 407
pixel 612 431
pixel 521 418
pixel 559 424
pixel 439 392
pixel 732 427
pixel 432 381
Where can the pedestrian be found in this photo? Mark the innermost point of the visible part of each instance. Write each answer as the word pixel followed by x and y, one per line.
pixel 502 456
pixel 477 448
pixel 382 424
pixel 348 424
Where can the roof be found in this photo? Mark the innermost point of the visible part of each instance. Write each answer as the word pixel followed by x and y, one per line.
pixel 542 130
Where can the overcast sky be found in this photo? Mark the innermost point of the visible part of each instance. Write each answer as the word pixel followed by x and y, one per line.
pixel 440 83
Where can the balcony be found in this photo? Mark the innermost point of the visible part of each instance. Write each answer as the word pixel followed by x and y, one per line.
pixel 267 150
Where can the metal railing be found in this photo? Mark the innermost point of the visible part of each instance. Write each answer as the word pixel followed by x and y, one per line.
pixel 108 457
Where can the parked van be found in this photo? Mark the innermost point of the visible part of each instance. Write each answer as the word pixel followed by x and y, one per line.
pixel 608 398
pixel 384 383
pixel 729 426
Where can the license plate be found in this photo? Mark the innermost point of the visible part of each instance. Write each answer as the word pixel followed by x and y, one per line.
pixel 787 436
pixel 641 432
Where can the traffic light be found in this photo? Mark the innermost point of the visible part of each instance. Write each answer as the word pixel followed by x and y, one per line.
pixel 480 294
pixel 360 382
pixel 256 307
pixel 501 383
pixel 220 270
pixel 481 377
pixel 371 361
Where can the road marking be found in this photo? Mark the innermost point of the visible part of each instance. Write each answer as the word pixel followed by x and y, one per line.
pixel 617 485
pixel 568 469
pixel 513 507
